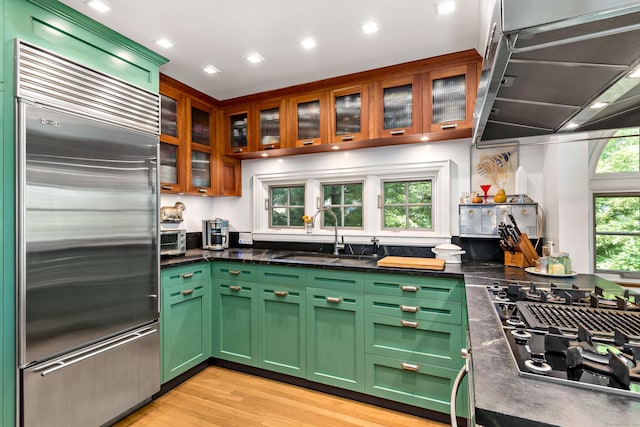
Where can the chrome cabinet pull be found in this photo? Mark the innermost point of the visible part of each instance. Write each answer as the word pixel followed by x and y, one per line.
pixel 281 293
pixel 407 288
pixel 409 324
pixel 187 292
pixel 187 275
pixel 268 147
pixel 410 366
pixel 202 190
pixel 167 187
pixel 409 308
pixel 234 272
pixel 334 300
pixel 307 142
pixel 347 138
pixel 397 132
pixel 237 150
pixel 235 288
pixel 449 126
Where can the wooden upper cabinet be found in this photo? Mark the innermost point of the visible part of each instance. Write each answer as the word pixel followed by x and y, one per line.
pixel 237 133
pixel 308 119
pixel 449 98
pixel 201 150
pixel 172 136
pixel 398 106
pixel 349 114
pixel 269 125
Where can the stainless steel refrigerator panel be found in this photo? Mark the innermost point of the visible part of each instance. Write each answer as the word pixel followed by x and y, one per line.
pixel 87 206
pixel 91 386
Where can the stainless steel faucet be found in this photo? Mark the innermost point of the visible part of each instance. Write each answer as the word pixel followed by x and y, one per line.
pixel 336 246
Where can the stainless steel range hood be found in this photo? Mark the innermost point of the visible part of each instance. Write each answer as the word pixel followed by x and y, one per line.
pixel 558 69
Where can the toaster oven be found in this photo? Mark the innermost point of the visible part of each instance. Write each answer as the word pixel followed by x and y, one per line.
pixel 173 242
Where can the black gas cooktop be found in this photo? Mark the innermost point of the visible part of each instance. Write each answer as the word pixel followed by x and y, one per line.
pixel 579 337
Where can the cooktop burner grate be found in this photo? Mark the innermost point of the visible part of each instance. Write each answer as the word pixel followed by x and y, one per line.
pixel 568 317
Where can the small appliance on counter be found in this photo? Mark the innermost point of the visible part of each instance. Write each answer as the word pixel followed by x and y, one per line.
pixel 215 234
pixel 173 241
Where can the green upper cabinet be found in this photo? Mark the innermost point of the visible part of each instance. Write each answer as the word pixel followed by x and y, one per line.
pixel 185 318
pixel 65 31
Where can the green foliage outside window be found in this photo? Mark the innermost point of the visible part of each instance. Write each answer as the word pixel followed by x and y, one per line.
pixel 286 206
pixel 345 201
pixel 408 204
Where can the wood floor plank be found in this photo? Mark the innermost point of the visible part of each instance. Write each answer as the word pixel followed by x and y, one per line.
pixel 226 398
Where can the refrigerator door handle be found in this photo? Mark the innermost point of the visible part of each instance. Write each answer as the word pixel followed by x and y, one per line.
pixel 79 358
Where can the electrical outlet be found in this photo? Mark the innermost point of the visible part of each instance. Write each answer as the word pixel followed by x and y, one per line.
pixel 245 239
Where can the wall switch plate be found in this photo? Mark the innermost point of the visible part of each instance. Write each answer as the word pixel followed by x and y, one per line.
pixel 245 239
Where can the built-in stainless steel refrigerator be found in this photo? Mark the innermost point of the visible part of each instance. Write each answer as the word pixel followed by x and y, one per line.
pixel 87 243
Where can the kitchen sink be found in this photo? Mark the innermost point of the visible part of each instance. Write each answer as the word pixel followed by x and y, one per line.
pixel 320 258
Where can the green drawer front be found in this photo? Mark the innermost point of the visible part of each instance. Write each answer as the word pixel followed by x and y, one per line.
pixel 432 288
pixel 236 271
pixel 336 279
pixel 414 309
pixel 282 329
pixel 190 275
pixel 280 275
pixel 414 383
pixel 434 343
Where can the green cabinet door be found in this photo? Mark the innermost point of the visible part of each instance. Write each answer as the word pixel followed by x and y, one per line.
pixel 335 338
pixel 281 329
pixel 235 311
pixel 185 318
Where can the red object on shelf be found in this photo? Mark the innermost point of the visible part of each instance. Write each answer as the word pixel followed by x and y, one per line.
pixel 485 188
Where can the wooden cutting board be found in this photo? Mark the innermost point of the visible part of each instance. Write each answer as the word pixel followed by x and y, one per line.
pixel 412 262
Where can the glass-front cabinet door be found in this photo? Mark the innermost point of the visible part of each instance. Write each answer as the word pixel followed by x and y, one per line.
pixel 449 98
pixel 349 114
pixel 172 150
pixel 201 152
pixel 237 132
pixel 309 119
pixel 270 125
pixel 398 106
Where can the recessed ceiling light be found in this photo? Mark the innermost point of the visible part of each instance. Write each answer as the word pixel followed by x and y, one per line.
pixel 308 43
pixel 599 104
pixel 210 69
pixel 572 125
pixel 164 43
pixel 99 6
pixel 445 7
pixel 369 27
pixel 254 58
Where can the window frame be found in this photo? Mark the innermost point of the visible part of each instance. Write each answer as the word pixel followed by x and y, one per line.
pixel 342 205
pixel 405 205
pixel 269 205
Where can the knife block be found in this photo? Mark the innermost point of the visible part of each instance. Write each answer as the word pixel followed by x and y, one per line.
pixel 524 256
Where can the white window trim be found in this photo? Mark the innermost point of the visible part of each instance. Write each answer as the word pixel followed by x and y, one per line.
pixel 371 176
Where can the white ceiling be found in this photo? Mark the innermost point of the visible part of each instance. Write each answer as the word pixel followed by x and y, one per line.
pixel 207 32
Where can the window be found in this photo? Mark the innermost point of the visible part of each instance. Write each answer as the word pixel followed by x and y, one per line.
pixel 286 206
pixel 407 205
pixel 345 200
pixel 616 204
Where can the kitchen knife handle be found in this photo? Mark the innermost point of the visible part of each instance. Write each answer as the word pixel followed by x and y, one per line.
pixel 515 225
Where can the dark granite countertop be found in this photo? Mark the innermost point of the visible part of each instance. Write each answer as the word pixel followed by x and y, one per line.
pixel 502 397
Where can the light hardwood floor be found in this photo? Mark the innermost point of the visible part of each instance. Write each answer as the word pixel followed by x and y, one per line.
pixel 222 397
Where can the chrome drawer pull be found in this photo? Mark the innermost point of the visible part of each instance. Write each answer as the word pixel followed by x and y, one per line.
pixel 410 367
pixel 397 132
pixel 407 288
pixel 347 138
pixel 187 292
pixel 202 190
pixel 334 300
pixel 409 324
pixel 234 272
pixel 281 293
pixel 409 308
pixel 449 126
pixel 187 275
pixel 307 142
pixel 235 288
pixel 167 187
pixel 268 147
pixel 237 150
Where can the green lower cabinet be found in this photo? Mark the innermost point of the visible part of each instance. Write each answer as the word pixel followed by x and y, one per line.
pixel 414 383
pixel 282 329
pixel 425 341
pixel 335 338
pixel 185 318
pixel 235 335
